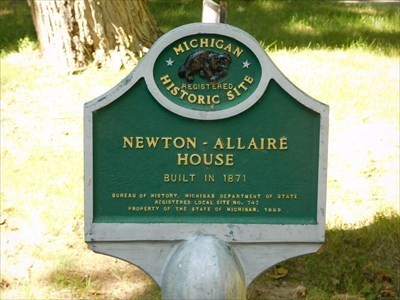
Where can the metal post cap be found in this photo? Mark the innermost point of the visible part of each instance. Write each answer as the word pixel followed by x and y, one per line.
pixel 204 267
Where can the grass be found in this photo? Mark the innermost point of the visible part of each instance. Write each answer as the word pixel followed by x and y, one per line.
pixel 311 24
pixel 43 255
pixel 15 25
pixel 358 262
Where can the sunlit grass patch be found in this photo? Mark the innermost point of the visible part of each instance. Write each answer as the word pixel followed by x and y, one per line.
pixel 104 278
pixel 42 172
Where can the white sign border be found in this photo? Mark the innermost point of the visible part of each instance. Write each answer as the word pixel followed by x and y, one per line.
pixel 221 30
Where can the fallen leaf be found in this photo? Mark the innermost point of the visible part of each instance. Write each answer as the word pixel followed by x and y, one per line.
pixel 299 292
pixel 279 272
pixel 335 281
pixel 4 283
pixel 387 293
pixel 382 276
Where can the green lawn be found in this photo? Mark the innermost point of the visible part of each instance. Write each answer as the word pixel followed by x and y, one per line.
pixel 296 25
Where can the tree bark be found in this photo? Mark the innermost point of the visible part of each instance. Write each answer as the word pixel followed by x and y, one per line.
pixel 74 33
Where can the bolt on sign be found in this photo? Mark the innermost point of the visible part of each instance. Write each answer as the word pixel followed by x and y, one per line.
pixel 205 137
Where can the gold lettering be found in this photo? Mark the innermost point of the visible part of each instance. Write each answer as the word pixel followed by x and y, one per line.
pixel 179 178
pixel 203 43
pixel 242 86
pixel 152 142
pixel 186 46
pixel 228 144
pixel 218 144
pixel 229 160
pixel 219 161
pixel 228 48
pixel 283 143
pixel 262 141
pixel 139 142
pixel 128 142
pixel 193 43
pixel 195 159
pixel 166 141
pixel 183 160
pixel 170 86
pixel 239 146
pixel 165 79
pixel 212 43
pixel 192 142
pixel 192 98
pixel 238 51
pixel 219 44
pixel 175 90
pixel 206 159
pixel 252 144
pixel 183 94
pixel 271 143
pixel 178 49
pixel 215 99
pixel 248 79
pixel 201 100
pixel 179 143
pixel 230 95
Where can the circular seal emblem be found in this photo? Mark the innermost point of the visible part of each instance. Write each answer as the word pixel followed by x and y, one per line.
pixel 207 75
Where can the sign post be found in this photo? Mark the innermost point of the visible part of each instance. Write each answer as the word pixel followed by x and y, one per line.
pixel 205 145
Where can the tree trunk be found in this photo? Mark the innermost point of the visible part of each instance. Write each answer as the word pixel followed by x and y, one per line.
pixel 74 33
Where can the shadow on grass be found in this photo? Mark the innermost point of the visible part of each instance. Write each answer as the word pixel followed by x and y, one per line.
pixel 297 24
pixel 15 24
pixel 362 262
pixel 312 24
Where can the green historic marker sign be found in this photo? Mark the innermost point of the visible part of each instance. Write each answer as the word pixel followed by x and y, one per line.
pixel 226 150
pixel 205 135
